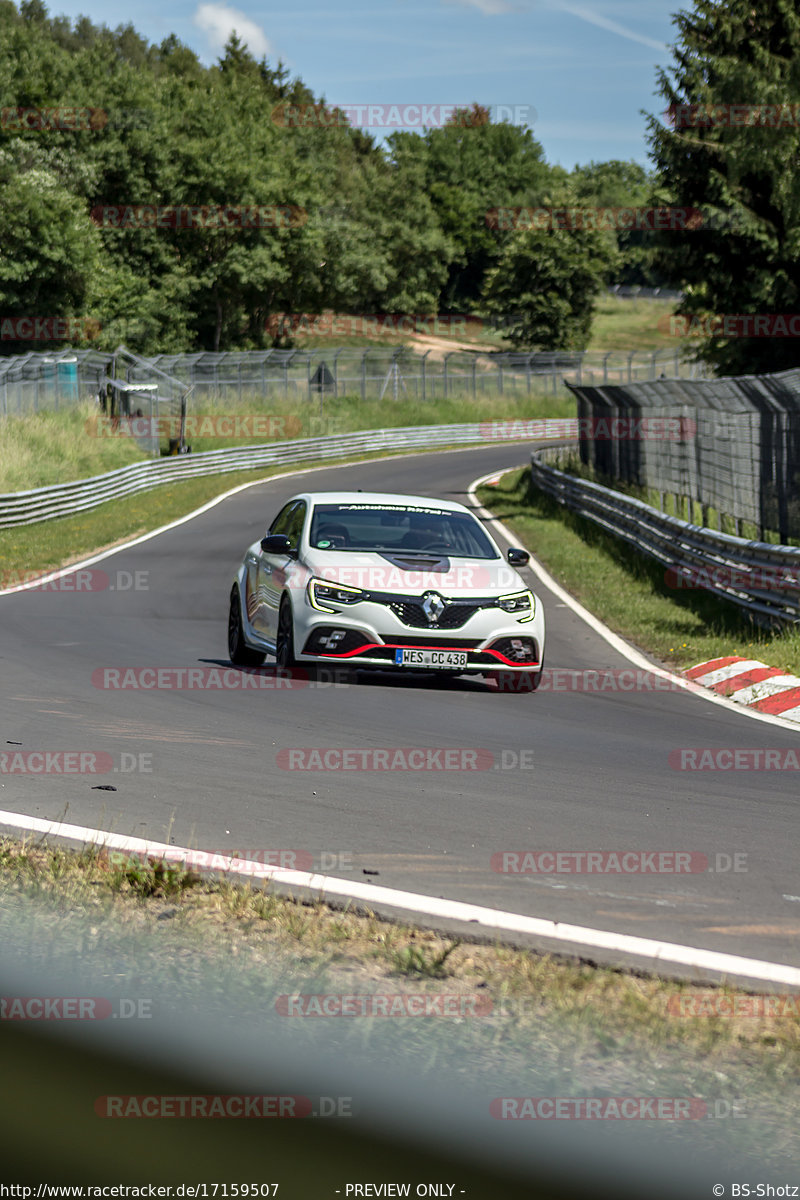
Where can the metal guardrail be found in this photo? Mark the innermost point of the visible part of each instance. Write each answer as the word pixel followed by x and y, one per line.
pixel 761 578
pixel 66 499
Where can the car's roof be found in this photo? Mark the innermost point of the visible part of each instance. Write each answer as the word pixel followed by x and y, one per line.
pixel 379 498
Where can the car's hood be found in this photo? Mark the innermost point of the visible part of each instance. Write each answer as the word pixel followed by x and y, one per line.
pixel 409 573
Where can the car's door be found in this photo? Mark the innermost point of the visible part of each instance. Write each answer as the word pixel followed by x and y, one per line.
pixel 274 569
pixel 259 576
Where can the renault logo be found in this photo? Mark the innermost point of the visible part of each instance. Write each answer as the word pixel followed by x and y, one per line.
pixel 433 606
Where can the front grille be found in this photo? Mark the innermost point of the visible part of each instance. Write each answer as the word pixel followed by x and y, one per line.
pixel 453 616
pixel 435 643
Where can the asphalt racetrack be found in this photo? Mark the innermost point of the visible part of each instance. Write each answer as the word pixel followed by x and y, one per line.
pixel 565 769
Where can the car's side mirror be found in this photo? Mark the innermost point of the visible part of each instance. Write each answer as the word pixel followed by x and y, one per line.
pixel 518 558
pixel 278 543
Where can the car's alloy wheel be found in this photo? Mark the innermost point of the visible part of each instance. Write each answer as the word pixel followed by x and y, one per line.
pixel 284 649
pixel 239 652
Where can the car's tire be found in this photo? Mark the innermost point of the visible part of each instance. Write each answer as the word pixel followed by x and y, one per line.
pixel 284 641
pixel 239 652
pixel 518 681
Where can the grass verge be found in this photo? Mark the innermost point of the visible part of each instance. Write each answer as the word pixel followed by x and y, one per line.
pixel 578 1028
pixel 28 550
pixel 629 592
pixel 48 448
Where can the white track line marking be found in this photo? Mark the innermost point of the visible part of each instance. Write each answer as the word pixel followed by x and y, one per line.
pixel 656 952
pixel 613 639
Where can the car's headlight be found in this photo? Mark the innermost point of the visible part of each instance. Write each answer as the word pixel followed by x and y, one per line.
pixel 521 604
pixel 322 594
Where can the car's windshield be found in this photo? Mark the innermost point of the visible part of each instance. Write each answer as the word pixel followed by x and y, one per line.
pixel 397 528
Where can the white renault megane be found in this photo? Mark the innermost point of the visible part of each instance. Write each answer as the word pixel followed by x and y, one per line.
pixel 386 582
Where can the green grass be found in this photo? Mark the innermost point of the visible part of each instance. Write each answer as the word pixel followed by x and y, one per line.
pixel 567 1026
pixel 47 448
pixel 57 543
pixel 632 325
pixel 629 592
pixel 52 447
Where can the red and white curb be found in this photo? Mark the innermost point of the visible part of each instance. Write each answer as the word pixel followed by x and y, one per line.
pixel 747 681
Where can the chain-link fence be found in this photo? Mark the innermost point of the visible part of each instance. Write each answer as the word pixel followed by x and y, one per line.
pixel 121 385
pixel 731 445
pixel 42 382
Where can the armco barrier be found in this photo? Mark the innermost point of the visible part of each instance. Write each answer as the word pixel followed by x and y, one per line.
pixel 64 500
pixel 772 591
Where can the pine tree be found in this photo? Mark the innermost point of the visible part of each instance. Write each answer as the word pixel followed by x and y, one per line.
pixel 729 145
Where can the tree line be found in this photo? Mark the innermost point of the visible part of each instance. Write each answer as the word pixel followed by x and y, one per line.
pixel 149 199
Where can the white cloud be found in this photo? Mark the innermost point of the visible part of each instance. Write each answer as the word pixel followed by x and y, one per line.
pixel 489 8
pixel 218 22
pixel 593 18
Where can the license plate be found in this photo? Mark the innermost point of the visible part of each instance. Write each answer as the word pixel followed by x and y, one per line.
pixel 446 660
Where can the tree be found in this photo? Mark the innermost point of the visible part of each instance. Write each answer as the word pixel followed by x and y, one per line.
pixel 740 169
pixel 466 168
pixel 543 289
pixel 617 184
pixel 49 251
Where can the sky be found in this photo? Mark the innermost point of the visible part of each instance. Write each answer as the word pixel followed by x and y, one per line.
pixel 578 74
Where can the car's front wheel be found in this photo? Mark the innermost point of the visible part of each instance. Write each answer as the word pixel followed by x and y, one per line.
pixel 239 652
pixel 517 681
pixel 284 643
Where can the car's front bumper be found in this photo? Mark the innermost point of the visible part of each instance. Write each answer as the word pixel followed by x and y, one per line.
pixel 489 644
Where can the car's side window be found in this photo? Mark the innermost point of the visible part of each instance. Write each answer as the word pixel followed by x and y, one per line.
pixel 296 521
pixel 283 519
